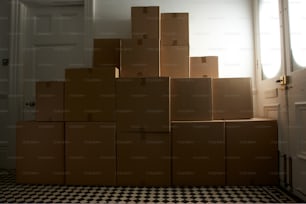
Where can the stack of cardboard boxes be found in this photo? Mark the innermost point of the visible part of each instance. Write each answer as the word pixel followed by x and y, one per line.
pixel 168 119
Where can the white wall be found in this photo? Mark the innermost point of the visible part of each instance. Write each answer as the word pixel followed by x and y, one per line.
pixel 4 75
pixel 217 27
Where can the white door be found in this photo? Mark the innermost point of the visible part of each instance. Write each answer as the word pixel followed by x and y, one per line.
pixel 271 95
pixel 296 69
pixel 54 41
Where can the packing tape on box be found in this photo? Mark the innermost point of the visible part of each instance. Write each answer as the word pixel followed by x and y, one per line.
pixel 203 59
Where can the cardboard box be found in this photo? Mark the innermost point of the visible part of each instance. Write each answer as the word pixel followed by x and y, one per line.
pixel 40 153
pixel 106 53
pixel 90 94
pixel 174 61
pixel 191 99
pixel 252 152
pixel 204 67
pixel 175 29
pixel 143 159
pixel 143 104
pixel 50 101
pixel 146 22
pixel 232 98
pixel 90 153
pixel 140 58
pixel 198 151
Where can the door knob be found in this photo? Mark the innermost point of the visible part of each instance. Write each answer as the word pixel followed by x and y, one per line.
pixel 30 104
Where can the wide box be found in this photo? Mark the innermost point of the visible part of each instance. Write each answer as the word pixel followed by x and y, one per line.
pixel 204 67
pixel 174 61
pixel 140 58
pixel 232 98
pixel 106 53
pixel 143 104
pixel 191 99
pixel 143 159
pixel 90 94
pixel 145 22
pixel 50 101
pixel 252 152
pixel 90 153
pixel 175 29
pixel 40 152
pixel 198 152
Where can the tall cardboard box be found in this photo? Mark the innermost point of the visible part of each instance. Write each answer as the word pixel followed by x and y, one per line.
pixel 198 151
pixel 90 94
pixel 143 104
pixel 174 61
pixel 90 153
pixel 204 67
pixel 140 58
pixel 252 152
pixel 191 99
pixel 145 22
pixel 50 101
pixel 40 152
pixel 175 29
pixel 143 159
pixel 106 53
pixel 232 98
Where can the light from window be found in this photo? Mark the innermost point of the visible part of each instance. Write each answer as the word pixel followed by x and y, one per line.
pixel 297 21
pixel 270 48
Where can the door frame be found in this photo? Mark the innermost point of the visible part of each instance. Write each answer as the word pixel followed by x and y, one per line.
pixel 19 10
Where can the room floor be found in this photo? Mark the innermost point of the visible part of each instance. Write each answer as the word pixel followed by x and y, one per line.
pixel 10 192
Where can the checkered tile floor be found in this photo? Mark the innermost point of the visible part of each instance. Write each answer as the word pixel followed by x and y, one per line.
pixel 15 193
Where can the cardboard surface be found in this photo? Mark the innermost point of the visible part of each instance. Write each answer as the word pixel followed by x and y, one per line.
pixel 232 98
pixel 90 94
pixel 50 101
pixel 191 99
pixel 143 104
pixel 143 159
pixel 204 67
pixel 106 53
pixel 145 22
pixel 175 29
pixel 252 152
pixel 140 58
pixel 90 153
pixel 198 151
pixel 174 61
pixel 40 153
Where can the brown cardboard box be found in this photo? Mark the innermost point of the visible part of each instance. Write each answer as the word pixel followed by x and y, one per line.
pixel 106 53
pixel 90 153
pixel 146 22
pixel 40 153
pixel 143 104
pixel 174 61
pixel 90 94
pixel 252 152
pixel 232 98
pixel 140 58
pixel 191 99
pixel 204 67
pixel 198 150
pixel 50 101
pixel 174 29
pixel 143 159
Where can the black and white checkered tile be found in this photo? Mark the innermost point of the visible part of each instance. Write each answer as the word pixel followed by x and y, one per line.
pixel 10 192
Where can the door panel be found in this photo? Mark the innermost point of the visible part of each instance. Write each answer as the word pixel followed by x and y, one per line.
pixel 54 41
pixel 271 96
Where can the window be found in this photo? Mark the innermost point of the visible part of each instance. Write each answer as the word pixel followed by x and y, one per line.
pixel 297 24
pixel 270 43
